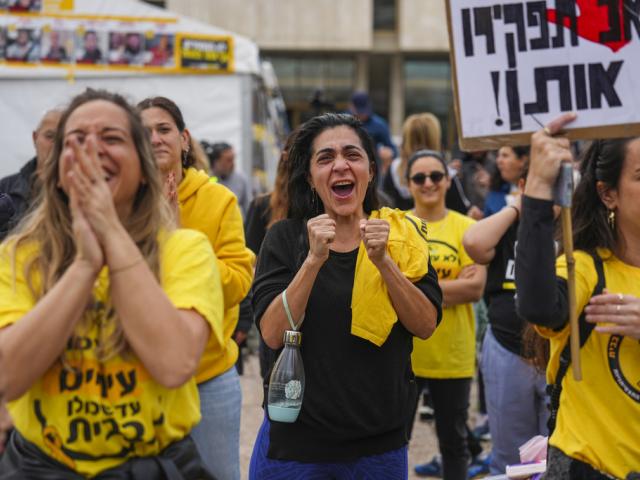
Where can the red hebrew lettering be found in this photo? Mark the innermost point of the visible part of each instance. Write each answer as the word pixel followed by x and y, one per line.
pixel 599 21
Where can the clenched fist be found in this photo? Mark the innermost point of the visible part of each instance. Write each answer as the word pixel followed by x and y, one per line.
pixel 375 235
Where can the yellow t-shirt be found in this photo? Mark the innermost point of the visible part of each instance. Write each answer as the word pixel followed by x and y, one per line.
pixel 450 352
pixel 103 413
pixel 599 417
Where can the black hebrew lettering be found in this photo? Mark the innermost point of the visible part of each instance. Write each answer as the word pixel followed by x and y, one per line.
pixel 128 385
pixel 543 75
pixel 565 9
pixel 537 17
pixel 70 379
pixel 113 427
pixel 74 425
pixel 74 406
pixel 105 382
pixel 511 50
pixel 614 33
pixel 133 427
pixel 601 84
pixel 631 17
pixel 483 24
pixel 513 100
pixel 466 32
pixel 514 13
pixel 580 87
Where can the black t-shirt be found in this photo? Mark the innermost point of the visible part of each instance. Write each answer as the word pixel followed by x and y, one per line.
pixel 500 291
pixel 357 396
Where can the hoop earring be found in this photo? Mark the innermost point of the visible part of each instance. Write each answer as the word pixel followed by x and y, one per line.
pixel 314 203
pixel 185 158
pixel 611 219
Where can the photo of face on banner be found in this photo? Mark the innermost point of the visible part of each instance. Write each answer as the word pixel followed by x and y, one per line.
pixel 3 42
pixel 25 5
pixel 23 45
pixel 160 51
pixel 90 46
pixel 126 48
pixel 57 46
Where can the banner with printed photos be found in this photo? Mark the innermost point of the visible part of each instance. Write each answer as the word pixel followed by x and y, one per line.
pixel 111 43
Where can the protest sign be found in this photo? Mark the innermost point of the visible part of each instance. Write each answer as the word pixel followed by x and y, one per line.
pixel 517 65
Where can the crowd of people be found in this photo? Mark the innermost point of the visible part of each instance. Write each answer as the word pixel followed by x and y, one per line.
pixel 134 260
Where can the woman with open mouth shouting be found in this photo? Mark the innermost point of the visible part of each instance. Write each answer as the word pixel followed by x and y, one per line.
pixel 362 279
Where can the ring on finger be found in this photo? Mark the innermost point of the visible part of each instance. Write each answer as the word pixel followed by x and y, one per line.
pixel 547 131
pixel 620 297
pixel 618 308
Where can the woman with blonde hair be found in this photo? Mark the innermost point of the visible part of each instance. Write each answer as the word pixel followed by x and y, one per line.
pixel 100 380
pixel 420 131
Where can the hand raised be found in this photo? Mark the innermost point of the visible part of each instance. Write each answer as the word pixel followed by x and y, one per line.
pixel 375 235
pixel 93 194
pixel 322 231
pixel 88 249
pixel 548 151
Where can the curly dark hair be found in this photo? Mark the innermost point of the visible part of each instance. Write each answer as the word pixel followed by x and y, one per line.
pixel 303 201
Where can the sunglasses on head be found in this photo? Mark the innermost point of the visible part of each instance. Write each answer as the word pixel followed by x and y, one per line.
pixel 420 178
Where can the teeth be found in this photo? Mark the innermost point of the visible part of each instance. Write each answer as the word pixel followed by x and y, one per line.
pixel 338 184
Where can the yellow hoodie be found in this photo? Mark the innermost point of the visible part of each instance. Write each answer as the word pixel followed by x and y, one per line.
pixel 213 209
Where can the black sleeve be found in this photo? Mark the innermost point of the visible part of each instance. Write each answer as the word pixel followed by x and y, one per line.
pixel 245 318
pixel 431 289
pixel 541 297
pixel 255 224
pixel 7 210
pixel 276 267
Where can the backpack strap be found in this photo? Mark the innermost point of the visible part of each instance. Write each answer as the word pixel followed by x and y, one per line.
pixel 586 328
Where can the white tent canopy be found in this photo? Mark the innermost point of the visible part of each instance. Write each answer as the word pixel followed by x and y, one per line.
pixel 216 107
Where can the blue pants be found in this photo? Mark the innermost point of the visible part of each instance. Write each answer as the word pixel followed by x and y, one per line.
pixel 392 465
pixel 217 436
pixel 516 402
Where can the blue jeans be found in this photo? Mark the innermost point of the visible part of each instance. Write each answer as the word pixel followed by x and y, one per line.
pixel 217 436
pixel 516 402
pixel 393 465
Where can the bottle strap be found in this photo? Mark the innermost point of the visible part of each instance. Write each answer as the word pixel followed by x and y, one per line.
pixel 285 304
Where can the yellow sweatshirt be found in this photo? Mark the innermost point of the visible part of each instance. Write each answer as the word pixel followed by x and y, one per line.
pixel 212 208
pixel 373 315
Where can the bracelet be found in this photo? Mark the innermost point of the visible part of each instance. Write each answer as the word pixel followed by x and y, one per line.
pixel 516 209
pixel 115 271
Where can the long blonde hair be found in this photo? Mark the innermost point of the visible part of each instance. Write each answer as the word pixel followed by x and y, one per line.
pixel 49 225
pixel 421 131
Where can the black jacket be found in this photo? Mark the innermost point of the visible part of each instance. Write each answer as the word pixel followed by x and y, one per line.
pixel 17 196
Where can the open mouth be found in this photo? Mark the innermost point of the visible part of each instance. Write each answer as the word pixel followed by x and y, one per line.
pixel 343 189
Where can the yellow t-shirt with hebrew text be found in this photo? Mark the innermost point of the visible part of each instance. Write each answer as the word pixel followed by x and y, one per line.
pixel 101 413
pixel 450 352
pixel 599 417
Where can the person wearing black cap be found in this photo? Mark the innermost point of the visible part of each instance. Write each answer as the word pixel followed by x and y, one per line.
pixel 361 107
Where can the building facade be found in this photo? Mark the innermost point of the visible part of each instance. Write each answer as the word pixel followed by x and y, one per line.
pixel 323 50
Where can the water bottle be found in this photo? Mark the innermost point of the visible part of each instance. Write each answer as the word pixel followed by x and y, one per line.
pixel 286 384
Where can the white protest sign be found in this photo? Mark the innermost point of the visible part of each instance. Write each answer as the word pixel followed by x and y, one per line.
pixel 519 64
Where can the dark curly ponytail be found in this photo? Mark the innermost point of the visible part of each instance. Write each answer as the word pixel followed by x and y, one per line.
pixel 601 162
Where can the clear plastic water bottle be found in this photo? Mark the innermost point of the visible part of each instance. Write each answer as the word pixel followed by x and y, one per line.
pixel 286 384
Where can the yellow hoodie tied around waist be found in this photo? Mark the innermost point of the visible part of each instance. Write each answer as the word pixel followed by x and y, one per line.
pixel 372 314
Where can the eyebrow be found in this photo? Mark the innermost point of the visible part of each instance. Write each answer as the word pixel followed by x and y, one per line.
pixel 104 130
pixel 346 147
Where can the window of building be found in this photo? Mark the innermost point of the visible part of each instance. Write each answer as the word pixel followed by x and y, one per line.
pixel 314 84
pixel 428 89
pixel 384 14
